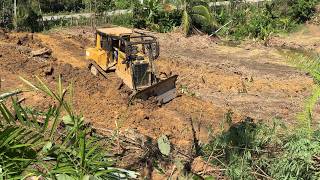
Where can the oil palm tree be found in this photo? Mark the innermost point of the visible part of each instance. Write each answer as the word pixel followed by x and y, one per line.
pixel 196 15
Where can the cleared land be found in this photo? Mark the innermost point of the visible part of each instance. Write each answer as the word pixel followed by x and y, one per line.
pixel 251 80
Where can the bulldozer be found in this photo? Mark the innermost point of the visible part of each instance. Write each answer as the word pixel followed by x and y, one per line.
pixel 131 55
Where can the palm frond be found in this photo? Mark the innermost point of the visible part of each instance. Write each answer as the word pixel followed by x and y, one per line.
pixel 21 139
pixel 201 20
pixel 186 22
pixel 203 11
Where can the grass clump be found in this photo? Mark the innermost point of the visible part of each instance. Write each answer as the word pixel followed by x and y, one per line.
pixel 250 150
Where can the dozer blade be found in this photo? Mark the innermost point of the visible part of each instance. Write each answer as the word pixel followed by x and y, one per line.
pixel 164 91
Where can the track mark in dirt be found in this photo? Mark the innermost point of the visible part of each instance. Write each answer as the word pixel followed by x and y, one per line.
pixel 65 49
pixel 250 78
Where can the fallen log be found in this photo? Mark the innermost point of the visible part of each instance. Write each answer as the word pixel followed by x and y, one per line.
pixel 41 52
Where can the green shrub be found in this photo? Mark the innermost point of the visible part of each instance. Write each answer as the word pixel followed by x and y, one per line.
pixel 121 20
pixel 249 150
pixel 249 20
pixel 125 4
pixel 151 15
pixel 6 19
pixel 302 10
pixel 30 22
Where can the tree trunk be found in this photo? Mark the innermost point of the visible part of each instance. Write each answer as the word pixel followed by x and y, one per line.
pixel 15 14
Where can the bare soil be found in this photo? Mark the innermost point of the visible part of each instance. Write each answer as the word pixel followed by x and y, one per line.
pixel 251 80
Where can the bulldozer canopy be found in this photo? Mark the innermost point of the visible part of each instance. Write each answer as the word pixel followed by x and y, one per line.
pixel 115 31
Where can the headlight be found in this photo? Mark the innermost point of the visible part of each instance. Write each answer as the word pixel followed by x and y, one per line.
pixel 87 53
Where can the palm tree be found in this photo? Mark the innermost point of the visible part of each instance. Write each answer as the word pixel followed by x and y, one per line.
pixel 197 15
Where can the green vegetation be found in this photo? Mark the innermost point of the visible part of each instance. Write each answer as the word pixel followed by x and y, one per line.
pixel 30 12
pixel 55 143
pixel 196 14
pixel 252 21
pixel 154 16
pixel 235 21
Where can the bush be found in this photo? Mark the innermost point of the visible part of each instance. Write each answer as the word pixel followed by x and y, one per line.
pixel 302 10
pixel 248 20
pixel 7 19
pixel 151 15
pixel 31 22
pixel 241 19
pixel 125 4
pixel 122 20
pixel 251 150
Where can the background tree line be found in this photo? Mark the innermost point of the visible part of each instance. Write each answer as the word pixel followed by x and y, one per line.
pixel 237 20
pixel 31 11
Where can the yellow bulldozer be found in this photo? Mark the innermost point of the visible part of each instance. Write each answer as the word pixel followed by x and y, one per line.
pixel 131 55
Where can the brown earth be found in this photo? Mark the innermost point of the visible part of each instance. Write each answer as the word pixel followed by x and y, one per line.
pixel 250 80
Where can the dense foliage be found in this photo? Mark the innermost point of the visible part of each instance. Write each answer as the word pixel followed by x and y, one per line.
pixel 153 15
pixel 29 12
pixel 252 21
pixel 6 16
pixel 237 20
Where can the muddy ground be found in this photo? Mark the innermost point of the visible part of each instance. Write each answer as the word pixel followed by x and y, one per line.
pixel 251 80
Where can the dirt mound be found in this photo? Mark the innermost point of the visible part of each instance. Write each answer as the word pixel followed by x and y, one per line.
pixel 28 44
pixel 84 41
pixel 279 43
pixel 283 44
pixel 307 39
pixel 81 35
pixel 101 101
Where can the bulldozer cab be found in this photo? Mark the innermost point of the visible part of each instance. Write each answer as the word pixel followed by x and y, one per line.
pixel 112 40
pixel 135 45
pixel 131 54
